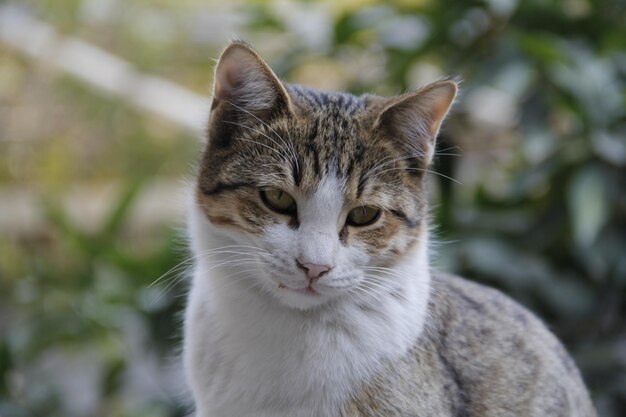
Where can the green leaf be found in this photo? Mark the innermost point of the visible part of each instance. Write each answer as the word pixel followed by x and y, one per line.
pixel 588 208
pixel 121 208
pixel 543 47
pixel 70 233
pixel 5 367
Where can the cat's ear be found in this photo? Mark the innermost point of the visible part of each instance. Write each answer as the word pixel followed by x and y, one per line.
pixel 415 118
pixel 245 88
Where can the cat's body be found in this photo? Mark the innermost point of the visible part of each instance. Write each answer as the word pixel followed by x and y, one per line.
pixel 312 294
pixel 480 354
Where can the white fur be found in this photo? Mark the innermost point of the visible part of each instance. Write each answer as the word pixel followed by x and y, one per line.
pixel 253 349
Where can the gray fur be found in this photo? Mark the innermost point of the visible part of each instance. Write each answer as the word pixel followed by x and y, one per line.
pixel 481 354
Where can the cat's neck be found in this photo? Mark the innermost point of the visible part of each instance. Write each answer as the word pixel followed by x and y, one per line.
pixel 302 351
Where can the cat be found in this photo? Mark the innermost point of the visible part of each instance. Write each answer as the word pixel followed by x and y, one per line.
pixel 312 294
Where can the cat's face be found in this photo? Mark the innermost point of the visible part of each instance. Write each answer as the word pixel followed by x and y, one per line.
pixel 326 189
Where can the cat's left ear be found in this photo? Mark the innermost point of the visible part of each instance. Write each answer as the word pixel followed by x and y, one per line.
pixel 415 118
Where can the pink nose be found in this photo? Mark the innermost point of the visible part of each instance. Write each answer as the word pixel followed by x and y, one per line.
pixel 314 271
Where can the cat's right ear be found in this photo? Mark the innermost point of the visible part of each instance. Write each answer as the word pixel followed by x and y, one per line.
pixel 245 92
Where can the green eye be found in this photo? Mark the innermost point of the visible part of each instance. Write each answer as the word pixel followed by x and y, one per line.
pixel 363 216
pixel 278 200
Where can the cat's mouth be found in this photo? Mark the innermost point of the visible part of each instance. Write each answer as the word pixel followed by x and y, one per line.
pixel 304 291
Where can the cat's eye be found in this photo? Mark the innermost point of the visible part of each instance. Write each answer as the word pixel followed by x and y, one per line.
pixel 363 216
pixel 278 200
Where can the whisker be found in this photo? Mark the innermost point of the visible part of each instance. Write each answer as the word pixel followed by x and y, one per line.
pixel 278 151
pixel 171 270
pixel 293 152
pixel 373 291
pixel 181 275
pixel 450 148
pixel 170 285
pixel 420 169
pixel 377 281
pixel 402 189
pixel 236 246
pixel 389 271
pixel 259 132
pixel 229 252
pixel 391 160
pixel 375 288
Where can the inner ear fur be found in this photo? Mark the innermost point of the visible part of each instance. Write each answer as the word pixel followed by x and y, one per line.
pixel 414 119
pixel 245 92
pixel 244 79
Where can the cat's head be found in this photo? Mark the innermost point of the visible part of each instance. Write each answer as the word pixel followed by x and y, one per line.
pixel 324 191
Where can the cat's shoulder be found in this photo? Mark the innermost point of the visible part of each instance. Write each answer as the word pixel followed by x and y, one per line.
pixel 494 348
pixel 456 298
pixel 464 315
pixel 480 354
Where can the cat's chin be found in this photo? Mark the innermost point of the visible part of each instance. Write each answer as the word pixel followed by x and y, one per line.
pixel 300 299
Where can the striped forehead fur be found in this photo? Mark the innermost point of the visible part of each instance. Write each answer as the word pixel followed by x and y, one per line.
pixel 331 135
pixel 331 132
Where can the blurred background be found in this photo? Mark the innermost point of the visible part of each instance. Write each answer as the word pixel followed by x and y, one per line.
pixel 102 106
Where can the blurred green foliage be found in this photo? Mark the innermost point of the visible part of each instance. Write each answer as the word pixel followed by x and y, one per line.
pixel 537 142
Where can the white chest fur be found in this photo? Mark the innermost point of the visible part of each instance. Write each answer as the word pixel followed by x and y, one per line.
pixel 247 355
